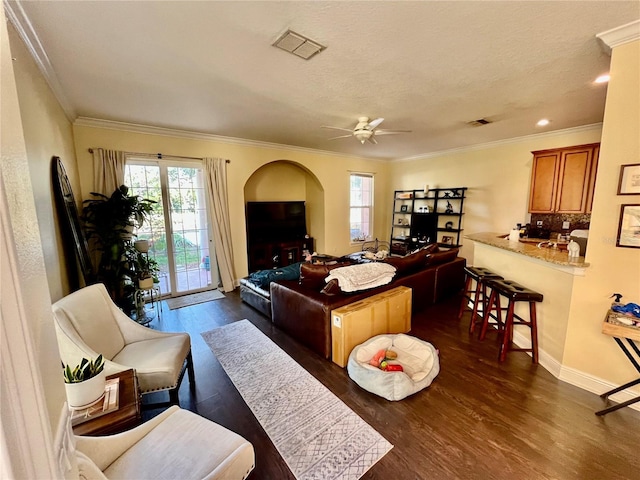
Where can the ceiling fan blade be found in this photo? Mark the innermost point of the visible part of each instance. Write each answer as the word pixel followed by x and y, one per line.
pixel 372 140
pixel 338 128
pixel 341 136
pixel 391 132
pixel 374 123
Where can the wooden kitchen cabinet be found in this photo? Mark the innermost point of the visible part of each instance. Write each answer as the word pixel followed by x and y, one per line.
pixel 562 180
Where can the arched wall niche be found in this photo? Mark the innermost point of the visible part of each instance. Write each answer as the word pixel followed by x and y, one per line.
pixel 286 180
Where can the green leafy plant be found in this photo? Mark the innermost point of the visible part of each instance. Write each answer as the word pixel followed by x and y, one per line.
pixel 86 370
pixel 144 266
pixel 109 223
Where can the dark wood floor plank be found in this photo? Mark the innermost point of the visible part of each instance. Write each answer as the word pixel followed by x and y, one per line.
pixel 480 419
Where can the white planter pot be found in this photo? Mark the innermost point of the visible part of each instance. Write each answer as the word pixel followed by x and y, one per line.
pixel 87 392
pixel 145 283
pixel 141 245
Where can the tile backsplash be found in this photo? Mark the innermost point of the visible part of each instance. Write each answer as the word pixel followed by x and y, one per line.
pixel 553 221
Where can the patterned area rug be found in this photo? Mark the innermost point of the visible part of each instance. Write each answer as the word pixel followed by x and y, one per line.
pixel 318 436
pixel 194 299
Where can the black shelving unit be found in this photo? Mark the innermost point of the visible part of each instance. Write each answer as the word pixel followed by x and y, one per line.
pixel 421 217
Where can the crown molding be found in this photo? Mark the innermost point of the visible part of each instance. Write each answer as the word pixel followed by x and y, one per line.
pixel 18 18
pixel 171 132
pixel 508 141
pixel 620 35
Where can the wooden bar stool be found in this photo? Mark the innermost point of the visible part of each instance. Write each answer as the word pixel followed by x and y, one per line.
pixel 475 295
pixel 515 293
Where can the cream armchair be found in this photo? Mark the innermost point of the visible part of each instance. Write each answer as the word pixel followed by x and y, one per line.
pixel 89 323
pixel 175 444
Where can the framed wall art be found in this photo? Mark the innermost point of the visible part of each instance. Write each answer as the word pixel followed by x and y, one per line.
pixel 629 183
pixel 629 226
pixel 447 240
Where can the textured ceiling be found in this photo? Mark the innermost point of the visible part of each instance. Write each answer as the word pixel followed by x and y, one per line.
pixel 429 67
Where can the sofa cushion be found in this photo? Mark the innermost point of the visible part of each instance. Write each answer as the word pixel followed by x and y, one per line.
pixel 431 248
pixel 412 262
pixel 443 256
pixel 312 276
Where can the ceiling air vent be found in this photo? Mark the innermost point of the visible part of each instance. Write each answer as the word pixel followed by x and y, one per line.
pixel 479 122
pixel 298 45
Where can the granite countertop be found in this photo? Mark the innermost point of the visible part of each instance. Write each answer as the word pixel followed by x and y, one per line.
pixel 551 255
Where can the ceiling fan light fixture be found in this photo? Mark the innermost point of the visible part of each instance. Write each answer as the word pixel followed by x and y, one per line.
pixel 363 135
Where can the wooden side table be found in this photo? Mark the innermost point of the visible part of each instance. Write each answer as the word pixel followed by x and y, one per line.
pixel 631 335
pixel 124 418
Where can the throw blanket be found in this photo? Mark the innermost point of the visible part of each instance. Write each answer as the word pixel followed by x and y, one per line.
pixel 362 276
pixel 263 278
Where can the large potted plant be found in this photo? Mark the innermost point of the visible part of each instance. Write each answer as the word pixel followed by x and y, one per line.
pixel 85 383
pixel 109 222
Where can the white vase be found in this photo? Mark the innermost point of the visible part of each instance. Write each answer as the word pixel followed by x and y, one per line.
pixel 87 392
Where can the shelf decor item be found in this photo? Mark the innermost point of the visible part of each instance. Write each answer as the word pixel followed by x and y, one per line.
pixel 629 183
pixel 449 208
pixel 85 383
pixel 629 226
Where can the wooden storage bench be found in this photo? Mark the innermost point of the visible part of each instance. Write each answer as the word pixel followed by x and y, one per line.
pixel 386 312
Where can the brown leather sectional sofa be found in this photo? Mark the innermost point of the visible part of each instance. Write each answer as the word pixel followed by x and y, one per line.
pixel 302 310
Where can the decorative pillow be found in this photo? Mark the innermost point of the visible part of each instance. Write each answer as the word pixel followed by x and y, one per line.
pixel 312 276
pixel 442 257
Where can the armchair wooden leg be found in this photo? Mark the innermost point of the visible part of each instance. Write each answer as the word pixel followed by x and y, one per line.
pixel 173 396
pixel 191 372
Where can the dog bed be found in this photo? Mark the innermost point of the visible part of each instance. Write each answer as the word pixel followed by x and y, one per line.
pixel 418 358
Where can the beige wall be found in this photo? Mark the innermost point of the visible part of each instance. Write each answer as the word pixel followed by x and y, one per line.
pixel 331 171
pixel 276 182
pixel 37 352
pixel 497 177
pixel 47 133
pixel 613 269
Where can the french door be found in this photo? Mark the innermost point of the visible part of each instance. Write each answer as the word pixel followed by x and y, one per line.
pixel 178 230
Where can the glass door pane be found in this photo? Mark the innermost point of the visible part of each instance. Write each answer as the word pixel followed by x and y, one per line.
pixel 190 230
pixel 144 180
pixel 178 231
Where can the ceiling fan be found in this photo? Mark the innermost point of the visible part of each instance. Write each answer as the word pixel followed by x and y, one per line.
pixel 366 130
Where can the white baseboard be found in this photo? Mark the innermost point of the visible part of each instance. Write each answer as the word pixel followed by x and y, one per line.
pixel 576 377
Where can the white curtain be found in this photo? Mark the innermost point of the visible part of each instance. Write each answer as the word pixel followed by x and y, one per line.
pixel 108 170
pixel 218 199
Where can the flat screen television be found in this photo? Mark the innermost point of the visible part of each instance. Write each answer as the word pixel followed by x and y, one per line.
pixel 275 221
pixel 424 226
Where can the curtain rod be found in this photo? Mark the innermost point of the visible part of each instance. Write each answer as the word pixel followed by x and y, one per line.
pixel 159 156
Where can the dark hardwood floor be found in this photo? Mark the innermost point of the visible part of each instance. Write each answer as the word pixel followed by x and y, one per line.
pixel 478 420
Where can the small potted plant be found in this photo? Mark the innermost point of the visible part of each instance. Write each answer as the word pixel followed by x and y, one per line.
pixel 85 383
pixel 146 270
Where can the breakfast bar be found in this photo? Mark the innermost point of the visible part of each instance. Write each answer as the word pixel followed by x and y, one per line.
pixel 547 270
